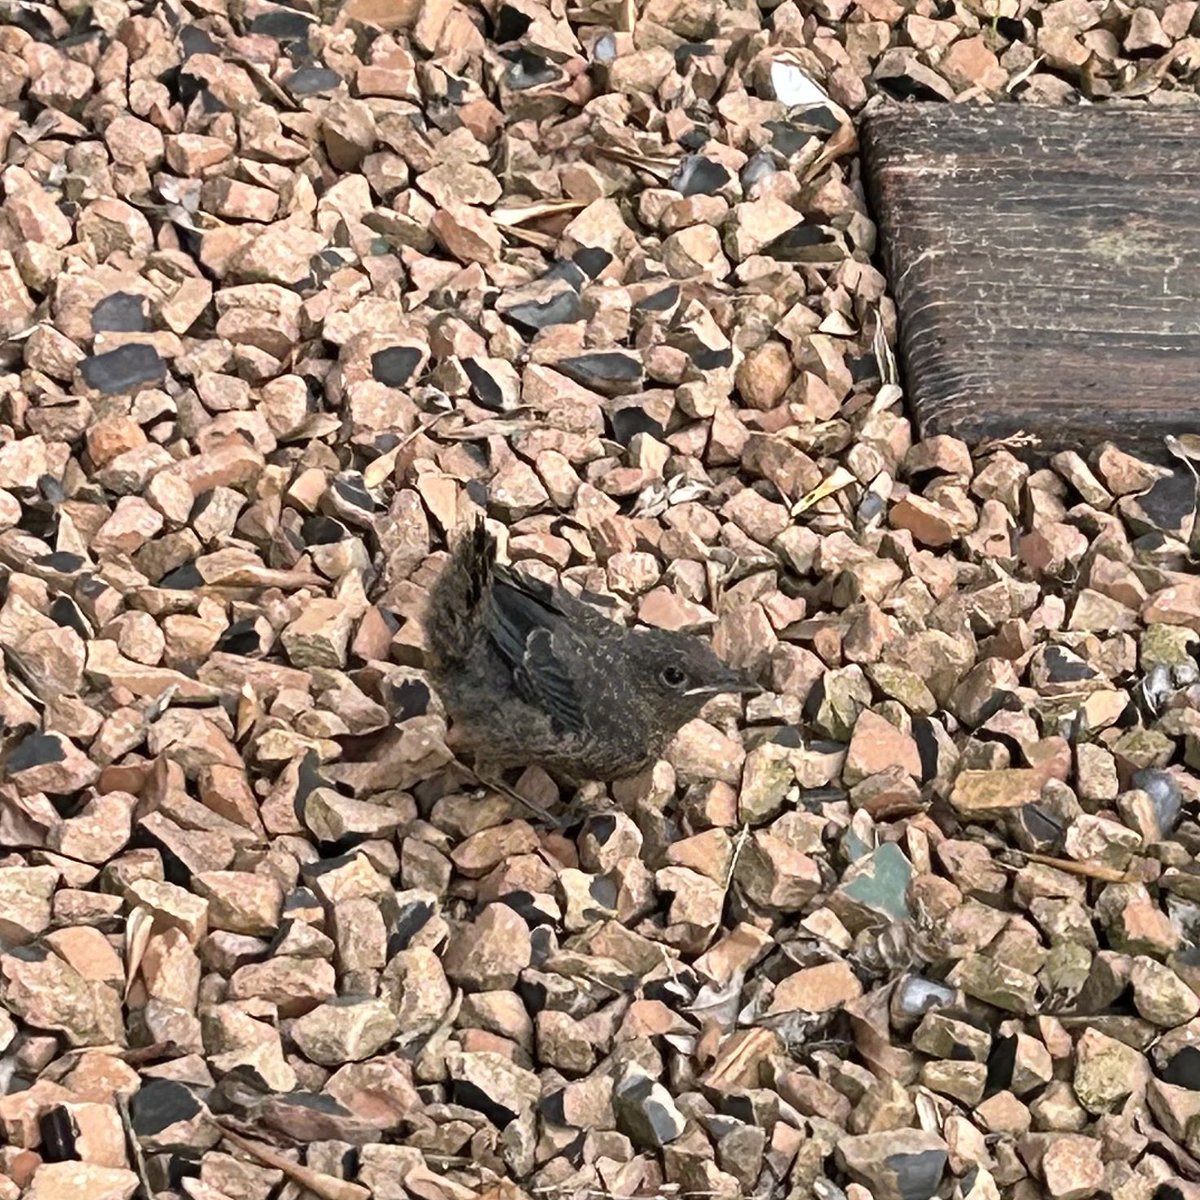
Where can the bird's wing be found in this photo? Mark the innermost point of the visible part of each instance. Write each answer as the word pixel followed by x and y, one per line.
pixel 582 616
pixel 555 599
pixel 545 655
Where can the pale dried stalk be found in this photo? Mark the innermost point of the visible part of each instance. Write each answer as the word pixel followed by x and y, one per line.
pixel 327 1187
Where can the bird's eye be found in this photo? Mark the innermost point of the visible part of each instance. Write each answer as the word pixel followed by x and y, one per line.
pixel 673 677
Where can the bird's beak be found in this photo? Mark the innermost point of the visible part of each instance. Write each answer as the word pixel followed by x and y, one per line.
pixel 737 685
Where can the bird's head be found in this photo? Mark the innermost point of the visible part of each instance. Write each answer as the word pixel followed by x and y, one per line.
pixel 678 674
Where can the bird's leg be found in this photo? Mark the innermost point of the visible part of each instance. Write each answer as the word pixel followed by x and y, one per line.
pixel 489 779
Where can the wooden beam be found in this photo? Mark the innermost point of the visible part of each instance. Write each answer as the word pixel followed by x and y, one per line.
pixel 1046 269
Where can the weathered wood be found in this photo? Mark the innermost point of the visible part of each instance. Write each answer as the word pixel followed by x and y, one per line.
pixel 1046 268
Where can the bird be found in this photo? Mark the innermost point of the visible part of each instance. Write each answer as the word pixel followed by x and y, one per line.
pixel 530 675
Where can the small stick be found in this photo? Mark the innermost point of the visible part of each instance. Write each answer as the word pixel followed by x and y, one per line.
pixel 135 1148
pixel 378 470
pixel 513 794
pixel 327 1187
pixel 739 845
pixel 837 479
pixel 1088 870
pixel 1013 441
pixel 506 218
pixel 543 241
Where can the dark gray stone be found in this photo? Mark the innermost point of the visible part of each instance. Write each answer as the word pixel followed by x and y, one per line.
pixel 1163 789
pixel 646 1112
pixel 123 369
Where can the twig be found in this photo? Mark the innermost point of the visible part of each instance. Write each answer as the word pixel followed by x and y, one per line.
pixel 738 845
pixel 1180 451
pixel 135 1148
pixel 888 371
pixel 1070 867
pixel 138 926
pixel 661 166
pixel 543 241
pixel 377 471
pixel 535 809
pixel 327 1187
pixel 506 218
pixel 1014 441
pixel 837 479
pixel 666 1189
pixel 492 427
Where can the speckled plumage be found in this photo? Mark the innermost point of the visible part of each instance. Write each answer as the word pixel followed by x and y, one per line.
pixel 530 675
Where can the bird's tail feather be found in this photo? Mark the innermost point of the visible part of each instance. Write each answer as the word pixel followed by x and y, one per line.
pixel 457 599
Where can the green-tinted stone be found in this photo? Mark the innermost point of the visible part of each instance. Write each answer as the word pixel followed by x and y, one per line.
pixel 874 891
pixel 996 984
pixel 1144 748
pixel 766 777
pixel 899 683
pixel 1107 1072
pixel 853 845
pixel 963 1080
pixel 1066 969
pixel 1166 645
pixel 844 694
pixel 942 1036
pixel 1160 996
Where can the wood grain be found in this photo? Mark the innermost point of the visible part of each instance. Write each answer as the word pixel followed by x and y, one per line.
pixel 1046 269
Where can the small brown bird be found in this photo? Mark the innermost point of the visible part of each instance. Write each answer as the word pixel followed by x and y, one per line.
pixel 533 676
